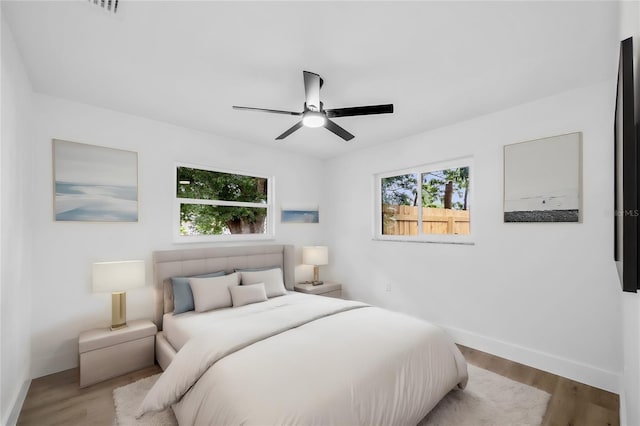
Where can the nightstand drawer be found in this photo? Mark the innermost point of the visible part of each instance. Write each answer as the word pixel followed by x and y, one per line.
pixel 335 293
pixel 105 363
pixel 105 354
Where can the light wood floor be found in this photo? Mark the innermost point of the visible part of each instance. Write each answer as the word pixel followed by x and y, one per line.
pixel 571 404
pixel 57 400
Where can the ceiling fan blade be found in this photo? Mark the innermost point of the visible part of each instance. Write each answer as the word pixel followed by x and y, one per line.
pixel 333 127
pixel 275 111
pixel 290 130
pixel 362 110
pixel 312 84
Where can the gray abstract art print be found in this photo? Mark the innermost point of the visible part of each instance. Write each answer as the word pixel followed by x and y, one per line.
pixel 543 180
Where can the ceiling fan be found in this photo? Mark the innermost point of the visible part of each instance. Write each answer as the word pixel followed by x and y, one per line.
pixel 314 115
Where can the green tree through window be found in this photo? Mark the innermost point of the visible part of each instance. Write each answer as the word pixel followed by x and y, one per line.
pixel 447 188
pixel 217 203
pixel 425 200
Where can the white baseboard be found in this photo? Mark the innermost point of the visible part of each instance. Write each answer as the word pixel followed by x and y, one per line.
pixel 629 412
pixel 43 365
pixel 12 419
pixel 583 373
pixel 623 409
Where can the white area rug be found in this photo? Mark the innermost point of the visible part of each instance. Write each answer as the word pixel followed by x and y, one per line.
pixel 488 400
pixel 128 398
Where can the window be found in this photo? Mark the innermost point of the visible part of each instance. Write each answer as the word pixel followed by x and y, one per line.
pixel 222 205
pixel 426 203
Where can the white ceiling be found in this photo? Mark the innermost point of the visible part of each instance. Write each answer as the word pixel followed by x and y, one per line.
pixel 187 62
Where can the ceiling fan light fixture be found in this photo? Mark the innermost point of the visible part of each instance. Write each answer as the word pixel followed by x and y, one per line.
pixel 313 119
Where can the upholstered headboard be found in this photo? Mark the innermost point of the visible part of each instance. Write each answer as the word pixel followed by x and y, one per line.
pixel 188 262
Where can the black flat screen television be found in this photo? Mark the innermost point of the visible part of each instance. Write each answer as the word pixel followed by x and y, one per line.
pixel 626 171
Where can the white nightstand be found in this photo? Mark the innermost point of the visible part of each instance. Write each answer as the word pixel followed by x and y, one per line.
pixel 105 354
pixel 329 288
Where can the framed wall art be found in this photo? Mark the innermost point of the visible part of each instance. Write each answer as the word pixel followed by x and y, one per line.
pixel 543 180
pixel 94 183
pixel 300 215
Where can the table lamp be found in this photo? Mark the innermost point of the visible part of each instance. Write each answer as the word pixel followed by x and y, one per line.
pixel 117 278
pixel 315 255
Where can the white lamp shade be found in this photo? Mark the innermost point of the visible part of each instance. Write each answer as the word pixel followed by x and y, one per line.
pixel 315 255
pixel 118 276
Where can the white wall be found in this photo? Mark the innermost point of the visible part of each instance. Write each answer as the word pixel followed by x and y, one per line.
pixel 15 276
pixel 63 304
pixel 630 384
pixel 542 294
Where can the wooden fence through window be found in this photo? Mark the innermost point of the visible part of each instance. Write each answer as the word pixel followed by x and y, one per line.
pixel 403 220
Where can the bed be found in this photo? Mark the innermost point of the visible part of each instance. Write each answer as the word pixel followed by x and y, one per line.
pixel 292 358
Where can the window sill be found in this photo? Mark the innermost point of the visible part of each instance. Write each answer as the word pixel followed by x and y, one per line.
pixel 425 241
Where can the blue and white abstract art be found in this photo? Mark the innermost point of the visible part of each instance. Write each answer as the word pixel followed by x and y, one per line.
pixel 300 216
pixel 94 183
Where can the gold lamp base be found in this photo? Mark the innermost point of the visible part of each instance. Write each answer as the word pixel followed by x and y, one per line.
pixel 118 310
pixel 316 276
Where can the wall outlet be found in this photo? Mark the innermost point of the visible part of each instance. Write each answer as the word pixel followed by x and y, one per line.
pixel 388 287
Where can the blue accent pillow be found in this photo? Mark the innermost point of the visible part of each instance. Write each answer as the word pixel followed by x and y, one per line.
pixel 182 294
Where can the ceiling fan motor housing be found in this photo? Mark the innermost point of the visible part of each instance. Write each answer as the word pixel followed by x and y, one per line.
pixel 314 114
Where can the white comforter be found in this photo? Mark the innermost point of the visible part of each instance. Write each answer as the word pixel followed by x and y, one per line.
pixel 313 361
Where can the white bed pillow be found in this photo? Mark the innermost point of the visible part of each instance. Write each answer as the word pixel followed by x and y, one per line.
pixel 272 279
pixel 212 293
pixel 245 294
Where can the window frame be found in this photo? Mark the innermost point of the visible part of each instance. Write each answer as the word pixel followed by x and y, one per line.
pixel 420 170
pixel 177 201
